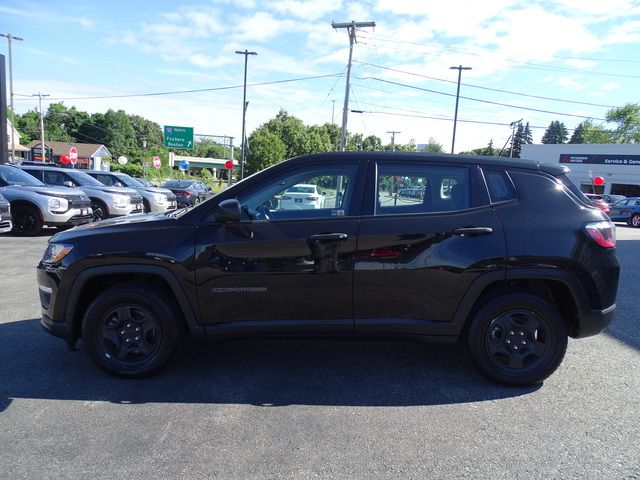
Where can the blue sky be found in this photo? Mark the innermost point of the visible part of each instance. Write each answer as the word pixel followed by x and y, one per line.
pixel 580 51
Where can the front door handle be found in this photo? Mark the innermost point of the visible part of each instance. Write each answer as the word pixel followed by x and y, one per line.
pixel 473 231
pixel 328 237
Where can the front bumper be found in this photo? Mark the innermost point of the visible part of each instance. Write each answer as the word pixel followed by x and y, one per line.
pixel 53 319
pixel 130 209
pixel 165 207
pixel 72 217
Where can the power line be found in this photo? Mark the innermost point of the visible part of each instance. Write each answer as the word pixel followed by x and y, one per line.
pixel 491 89
pixel 177 92
pixel 480 100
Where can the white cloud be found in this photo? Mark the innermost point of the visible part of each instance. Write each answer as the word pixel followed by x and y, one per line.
pixel 260 27
pixel 306 9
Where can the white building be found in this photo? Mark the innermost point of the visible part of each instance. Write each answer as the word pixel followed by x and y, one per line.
pixel 14 136
pixel 618 164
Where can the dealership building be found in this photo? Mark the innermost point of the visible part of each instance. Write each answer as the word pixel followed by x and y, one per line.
pixel 618 164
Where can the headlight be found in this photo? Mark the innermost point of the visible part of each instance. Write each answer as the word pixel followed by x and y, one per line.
pixel 159 199
pixel 58 204
pixel 120 201
pixel 56 252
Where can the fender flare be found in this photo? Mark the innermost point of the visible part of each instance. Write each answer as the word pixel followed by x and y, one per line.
pixel 131 269
pixel 480 284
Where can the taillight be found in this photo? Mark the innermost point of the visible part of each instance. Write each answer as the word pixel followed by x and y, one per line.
pixel 312 198
pixel 182 193
pixel 603 233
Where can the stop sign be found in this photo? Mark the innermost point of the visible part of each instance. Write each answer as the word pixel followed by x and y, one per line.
pixel 73 155
pixel 156 162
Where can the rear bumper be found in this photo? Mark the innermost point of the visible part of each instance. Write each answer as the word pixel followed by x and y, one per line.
pixel 594 322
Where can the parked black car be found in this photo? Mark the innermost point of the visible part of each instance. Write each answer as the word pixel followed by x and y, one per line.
pixel 188 192
pixel 480 261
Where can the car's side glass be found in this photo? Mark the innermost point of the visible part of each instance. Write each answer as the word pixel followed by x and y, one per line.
pixel 53 178
pixel 311 192
pixel 500 185
pixel 105 179
pixel 407 188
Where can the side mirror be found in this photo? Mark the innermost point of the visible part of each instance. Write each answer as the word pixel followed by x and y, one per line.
pixel 324 193
pixel 118 184
pixel 228 211
pixel 68 184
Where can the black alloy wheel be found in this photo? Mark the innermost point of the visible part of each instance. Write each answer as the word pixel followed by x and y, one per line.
pixel 99 210
pixel 517 339
pixel 131 331
pixel 27 221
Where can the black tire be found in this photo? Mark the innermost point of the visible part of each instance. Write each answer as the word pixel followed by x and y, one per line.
pixel 130 331
pixel 100 211
pixel 145 206
pixel 516 339
pixel 26 220
pixel 635 220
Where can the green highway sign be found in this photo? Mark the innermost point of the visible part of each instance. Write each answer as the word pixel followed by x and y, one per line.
pixel 178 137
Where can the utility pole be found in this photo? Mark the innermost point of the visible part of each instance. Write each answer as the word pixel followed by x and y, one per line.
pixel 513 126
pixel 246 54
pixel 393 140
pixel 9 39
pixel 333 111
pixel 4 154
pixel 43 151
pixel 351 30
pixel 455 117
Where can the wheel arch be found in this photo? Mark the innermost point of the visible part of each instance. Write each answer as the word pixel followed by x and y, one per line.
pixel 92 281
pixel 559 288
pixel 25 203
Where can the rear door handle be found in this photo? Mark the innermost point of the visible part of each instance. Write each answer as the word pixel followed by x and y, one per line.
pixel 473 231
pixel 328 237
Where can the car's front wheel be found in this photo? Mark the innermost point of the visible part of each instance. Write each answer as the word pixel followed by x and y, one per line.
pixel 516 339
pixel 635 220
pixel 27 220
pixel 131 331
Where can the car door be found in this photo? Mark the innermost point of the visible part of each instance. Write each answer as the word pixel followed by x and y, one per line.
pixel 279 268
pixel 620 211
pixel 418 256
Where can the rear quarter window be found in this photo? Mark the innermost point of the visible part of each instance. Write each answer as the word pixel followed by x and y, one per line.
pixel 500 186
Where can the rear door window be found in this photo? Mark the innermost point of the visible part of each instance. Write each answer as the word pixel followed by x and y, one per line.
pixel 407 188
pixel 499 184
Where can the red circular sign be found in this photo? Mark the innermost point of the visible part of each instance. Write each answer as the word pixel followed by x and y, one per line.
pixel 228 164
pixel 598 181
pixel 73 155
pixel 157 162
pixel 64 159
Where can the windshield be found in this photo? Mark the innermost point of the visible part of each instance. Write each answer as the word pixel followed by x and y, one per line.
pixel 128 181
pixel 14 176
pixel 84 179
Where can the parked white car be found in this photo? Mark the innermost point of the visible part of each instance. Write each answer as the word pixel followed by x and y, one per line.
pixel 302 196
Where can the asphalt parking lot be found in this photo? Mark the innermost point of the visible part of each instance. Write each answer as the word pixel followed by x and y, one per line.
pixel 312 408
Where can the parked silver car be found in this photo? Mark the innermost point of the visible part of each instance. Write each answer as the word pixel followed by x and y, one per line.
pixel 34 205
pixel 155 199
pixel 5 215
pixel 106 201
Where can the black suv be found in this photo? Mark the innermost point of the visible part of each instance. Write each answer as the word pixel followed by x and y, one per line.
pixel 505 255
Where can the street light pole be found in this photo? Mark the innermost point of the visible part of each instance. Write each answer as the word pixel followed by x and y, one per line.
pixel 455 117
pixel 393 139
pixel 13 143
pixel 246 54
pixel 43 151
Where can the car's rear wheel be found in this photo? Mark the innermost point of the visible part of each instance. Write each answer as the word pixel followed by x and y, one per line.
pixel 131 331
pixel 635 220
pixel 27 220
pixel 516 339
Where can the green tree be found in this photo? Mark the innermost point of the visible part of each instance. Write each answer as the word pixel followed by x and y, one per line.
pixel 528 136
pixel 433 146
pixel 372 143
pixel 627 121
pixel 146 131
pixel 588 132
pixel 28 124
pixel 267 148
pixel 556 133
pixel 517 141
